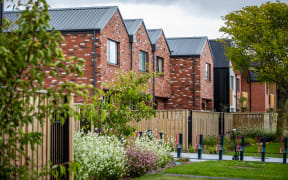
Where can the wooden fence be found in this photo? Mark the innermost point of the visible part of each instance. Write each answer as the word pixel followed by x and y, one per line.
pixel 52 140
pixel 213 123
pixel 169 122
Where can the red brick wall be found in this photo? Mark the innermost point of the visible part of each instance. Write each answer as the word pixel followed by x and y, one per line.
pixel 79 45
pixel 206 86
pixel 260 99
pixel 181 81
pixel 143 44
pixel 114 30
pixel 162 83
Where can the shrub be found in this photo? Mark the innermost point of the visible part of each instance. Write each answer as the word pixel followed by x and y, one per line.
pixel 255 133
pixel 156 145
pixel 140 161
pixel 100 157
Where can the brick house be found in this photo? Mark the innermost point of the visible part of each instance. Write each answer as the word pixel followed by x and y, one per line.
pixel 191 73
pixel 148 49
pixel 227 86
pixel 261 96
pixel 161 56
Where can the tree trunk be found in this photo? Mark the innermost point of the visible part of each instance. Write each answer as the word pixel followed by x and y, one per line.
pixel 282 111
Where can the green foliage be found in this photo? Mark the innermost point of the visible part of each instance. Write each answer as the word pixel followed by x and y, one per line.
pixel 259 43
pixel 255 133
pixel 124 101
pixel 27 50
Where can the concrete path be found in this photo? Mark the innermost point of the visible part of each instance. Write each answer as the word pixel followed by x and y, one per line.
pixel 208 157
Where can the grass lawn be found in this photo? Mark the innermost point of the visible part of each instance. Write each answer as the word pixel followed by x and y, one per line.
pixel 233 169
pixel 272 150
pixel 163 177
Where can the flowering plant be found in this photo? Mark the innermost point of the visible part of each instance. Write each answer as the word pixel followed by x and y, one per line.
pixel 100 157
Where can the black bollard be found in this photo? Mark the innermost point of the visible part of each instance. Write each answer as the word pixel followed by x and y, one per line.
pixel 242 149
pixel 179 145
pixel 161 138
pixel 221 147
pixel 200 146
pixel 149 133
pixel 140 134
pixel 285 151
pixel 263 149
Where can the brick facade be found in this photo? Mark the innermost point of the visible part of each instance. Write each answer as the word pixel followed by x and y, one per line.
pixel 184 86
pixel 206 86
pixel 162 82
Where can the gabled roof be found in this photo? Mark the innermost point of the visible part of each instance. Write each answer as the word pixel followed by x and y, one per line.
pixel 187 46
pixel 132 25
pixel 75 19
pixel 253 76
pixel 218 54
pixel 154 35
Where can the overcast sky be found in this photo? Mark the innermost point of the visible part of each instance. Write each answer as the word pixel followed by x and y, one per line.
pixel 178 18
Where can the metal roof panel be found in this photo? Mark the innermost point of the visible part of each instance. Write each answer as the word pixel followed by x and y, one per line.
pixel 75 18
pixel 187 46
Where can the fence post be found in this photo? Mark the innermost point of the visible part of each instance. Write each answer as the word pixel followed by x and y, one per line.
pixel 190 128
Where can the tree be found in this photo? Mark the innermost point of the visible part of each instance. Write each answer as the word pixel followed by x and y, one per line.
pixel 260 43
pixel 123 101
pixel 26 47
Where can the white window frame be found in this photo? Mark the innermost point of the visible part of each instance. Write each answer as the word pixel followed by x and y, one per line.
pixel 158 67
pixel 208 72
pixel 112 47
pixel 143 69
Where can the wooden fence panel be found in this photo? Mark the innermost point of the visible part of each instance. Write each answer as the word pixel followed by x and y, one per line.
pixel 169 122
pixel 205 123
pixel 39 157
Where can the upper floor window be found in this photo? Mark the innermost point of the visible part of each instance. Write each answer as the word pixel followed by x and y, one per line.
pixel 112 55
pixel 208 72
pixel 159 67
pixel 143 61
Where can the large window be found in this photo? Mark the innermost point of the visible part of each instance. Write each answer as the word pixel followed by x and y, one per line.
pixel 112 55
pixel 208 72
pixel 143 61
pixel 159 67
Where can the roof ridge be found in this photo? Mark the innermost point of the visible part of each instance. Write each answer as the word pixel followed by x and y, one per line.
pixel 134 19
pixel 196 37
pixel 70 8
pixel 155 29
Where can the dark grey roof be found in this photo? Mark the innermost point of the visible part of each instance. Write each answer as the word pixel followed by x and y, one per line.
pixel 154 35
pixel 69 19
pixel 132 25
pixel 218 53
pixel 253 76
pixel 187 46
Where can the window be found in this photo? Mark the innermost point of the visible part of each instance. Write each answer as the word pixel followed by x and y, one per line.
pixel 143 61
pixel 112 55
pixel 208 72
pixel 159 68
pixel 231 82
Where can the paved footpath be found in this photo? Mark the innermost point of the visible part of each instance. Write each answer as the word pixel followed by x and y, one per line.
pixel 208 157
